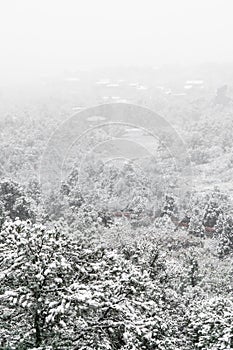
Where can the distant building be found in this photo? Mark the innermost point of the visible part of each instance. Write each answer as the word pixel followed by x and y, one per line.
pixel 194 84
pixel 123 100
pixel 179 94
pixel 113 85
pixel 142 87
pixel 95 118
pixel 102 82
pixel 78 108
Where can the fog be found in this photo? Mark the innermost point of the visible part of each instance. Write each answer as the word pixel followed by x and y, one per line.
pixel 40 38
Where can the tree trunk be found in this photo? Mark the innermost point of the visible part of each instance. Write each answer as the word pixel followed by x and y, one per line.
pixel 37 328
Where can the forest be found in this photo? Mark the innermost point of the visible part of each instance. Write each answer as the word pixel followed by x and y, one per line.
pixel 112 258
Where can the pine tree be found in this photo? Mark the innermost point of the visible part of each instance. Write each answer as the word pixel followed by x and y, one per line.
pixel 196 226
pixel 224 234
pixel 15 202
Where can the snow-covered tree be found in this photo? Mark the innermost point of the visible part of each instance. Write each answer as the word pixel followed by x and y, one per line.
pixel 210 323
pixel 36 271
pixel 15 202
pixel 71 293
pixel 224 234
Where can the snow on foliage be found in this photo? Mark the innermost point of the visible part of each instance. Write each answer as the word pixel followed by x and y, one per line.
pixel 74 292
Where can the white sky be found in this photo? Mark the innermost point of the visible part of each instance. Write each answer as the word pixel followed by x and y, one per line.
pixel 49 36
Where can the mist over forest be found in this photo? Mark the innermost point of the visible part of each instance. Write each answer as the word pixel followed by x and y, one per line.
pixel 116 197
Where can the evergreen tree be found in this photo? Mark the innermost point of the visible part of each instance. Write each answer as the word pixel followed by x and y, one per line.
pixel 15 202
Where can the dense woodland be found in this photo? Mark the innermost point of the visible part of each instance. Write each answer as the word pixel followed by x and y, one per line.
pixel 77 273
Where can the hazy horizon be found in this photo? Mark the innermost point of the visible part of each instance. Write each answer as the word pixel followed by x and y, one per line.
pixel 49 37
